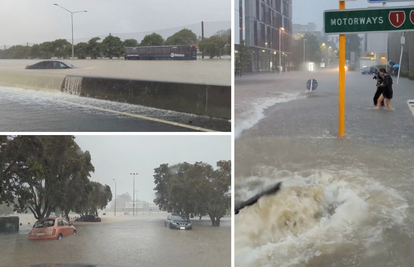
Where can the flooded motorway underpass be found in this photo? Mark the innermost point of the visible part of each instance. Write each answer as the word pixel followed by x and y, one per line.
pixel 343 202
pixel 140 241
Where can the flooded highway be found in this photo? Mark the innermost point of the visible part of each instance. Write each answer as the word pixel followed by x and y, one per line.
pixel 344 202
pixel 207 71
pixel 141 241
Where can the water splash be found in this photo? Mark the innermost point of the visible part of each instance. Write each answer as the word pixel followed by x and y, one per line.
pixel 316 213
pixel 72 85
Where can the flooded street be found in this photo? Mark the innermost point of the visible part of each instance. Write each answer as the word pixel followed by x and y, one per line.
pixel 344 202
pixel 141 241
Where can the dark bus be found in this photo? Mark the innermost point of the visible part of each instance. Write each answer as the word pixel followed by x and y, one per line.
pixel 176 52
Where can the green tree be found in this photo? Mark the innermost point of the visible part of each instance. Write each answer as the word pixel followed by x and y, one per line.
pixel 243 56
pixel 81 50
pixel 43 174
pixel 213 46
pixel 130 43
pixel 194 189
pixel 214 191
pixel 59 46
pixel 35 51
pixel 94 49
pixel 352 44
pixel 312 48
pixel 112 46
pixel 183 37
pixel 152 39
pixel 99 196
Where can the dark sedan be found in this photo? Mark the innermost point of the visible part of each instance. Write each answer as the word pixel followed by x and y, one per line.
pixel 51 65
pixel 177 221
pixel 88 218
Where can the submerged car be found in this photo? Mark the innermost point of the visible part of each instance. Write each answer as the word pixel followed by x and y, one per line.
pixel 88 218
pixel 51 65
pixel 177 221
pixel 51 228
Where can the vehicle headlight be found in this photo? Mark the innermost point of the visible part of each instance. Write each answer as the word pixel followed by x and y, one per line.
pixel 189 224
pixel 174 223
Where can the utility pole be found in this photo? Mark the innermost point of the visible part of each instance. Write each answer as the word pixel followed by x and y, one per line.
pixel 202 38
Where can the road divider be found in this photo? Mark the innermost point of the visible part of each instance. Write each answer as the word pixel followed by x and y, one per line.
pixel 200 99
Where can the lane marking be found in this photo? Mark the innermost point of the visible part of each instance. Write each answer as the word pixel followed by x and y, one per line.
pixel 140 117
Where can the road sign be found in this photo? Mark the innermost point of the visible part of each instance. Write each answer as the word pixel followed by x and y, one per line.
pixel 369 20
pixel 311 84
pixel 382 1
pixel 411 105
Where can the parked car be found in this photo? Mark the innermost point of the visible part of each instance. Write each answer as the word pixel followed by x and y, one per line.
pixel 88 218
pixel 51 228
pixel 177 221
pixel 366 70
pixel 51 65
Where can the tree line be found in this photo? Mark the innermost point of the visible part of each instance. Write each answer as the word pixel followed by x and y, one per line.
pixel 112 46
pixel 48 174
pixel 194 189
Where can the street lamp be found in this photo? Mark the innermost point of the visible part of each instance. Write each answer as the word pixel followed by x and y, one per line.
pixel 71 14
pixel 304 52
pixel 133 193
pixel 280 50
pixel 115 198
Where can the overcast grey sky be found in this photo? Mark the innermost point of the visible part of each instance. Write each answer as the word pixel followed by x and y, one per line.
pixel 305 11
pixel 36 21
pixel 115 157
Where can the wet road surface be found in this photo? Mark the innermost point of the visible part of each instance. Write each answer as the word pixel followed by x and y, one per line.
pixel 28 110
pixel 144 242
pixel 344 202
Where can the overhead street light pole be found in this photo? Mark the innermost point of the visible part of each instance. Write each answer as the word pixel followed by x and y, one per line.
pixel 115 198
pixel 133 193
pixel 71 14
pixel 304 53
pixel 280 49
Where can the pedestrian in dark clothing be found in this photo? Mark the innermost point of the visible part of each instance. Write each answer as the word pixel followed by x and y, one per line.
pixel 387 93
pixel 379 91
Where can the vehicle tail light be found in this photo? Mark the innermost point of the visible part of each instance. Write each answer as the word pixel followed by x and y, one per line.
pixel 25 68
pixel 95 218
pixel 54 232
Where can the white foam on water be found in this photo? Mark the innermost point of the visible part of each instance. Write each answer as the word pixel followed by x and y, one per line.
pixel 317 212
pixel 254 110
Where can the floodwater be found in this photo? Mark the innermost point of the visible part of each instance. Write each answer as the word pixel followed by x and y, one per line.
pixel 343 202
pixel 136 242
pixel 38 111
pixel 205 71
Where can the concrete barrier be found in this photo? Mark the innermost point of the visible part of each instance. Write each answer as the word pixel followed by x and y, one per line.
pixel 9 224
pixel 200 99
pixel 43 82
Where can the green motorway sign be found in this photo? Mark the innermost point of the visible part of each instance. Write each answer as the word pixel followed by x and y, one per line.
pixel 369 20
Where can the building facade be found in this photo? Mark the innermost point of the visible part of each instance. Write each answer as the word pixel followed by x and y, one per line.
pixel 265 26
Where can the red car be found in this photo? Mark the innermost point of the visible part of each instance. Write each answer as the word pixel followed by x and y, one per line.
pixel 51 228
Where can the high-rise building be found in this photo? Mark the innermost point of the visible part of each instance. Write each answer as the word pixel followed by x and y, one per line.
pixel 265 26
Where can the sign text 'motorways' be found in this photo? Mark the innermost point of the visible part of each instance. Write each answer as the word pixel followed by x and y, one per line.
pixel 369 20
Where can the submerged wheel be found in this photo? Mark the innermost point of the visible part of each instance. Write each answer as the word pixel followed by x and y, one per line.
pixel 60 237
pixel 74 232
